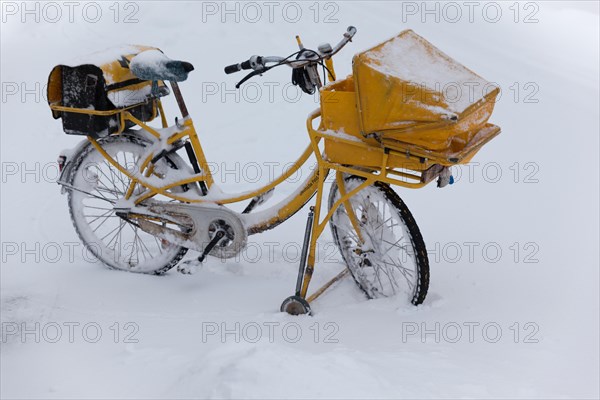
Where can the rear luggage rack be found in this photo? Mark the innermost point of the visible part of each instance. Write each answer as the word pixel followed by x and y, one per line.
pixel 124 117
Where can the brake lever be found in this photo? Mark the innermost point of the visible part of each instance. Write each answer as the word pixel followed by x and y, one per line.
pixel 250 75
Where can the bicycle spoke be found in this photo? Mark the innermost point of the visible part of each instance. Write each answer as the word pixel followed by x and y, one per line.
pixel 400 268
pixel 98 208
pixel 103 215
pixel 390 277
pixel 392 245
pixel 404 272
pixel 158 244
pixel 378 277
pixel 143 246
pixel 109 233
pixel 116 235
pixel 117 174
pixel 103 184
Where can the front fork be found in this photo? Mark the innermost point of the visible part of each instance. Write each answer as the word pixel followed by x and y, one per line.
pixel 300 303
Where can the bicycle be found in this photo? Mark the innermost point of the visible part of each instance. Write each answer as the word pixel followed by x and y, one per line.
pixel 138 206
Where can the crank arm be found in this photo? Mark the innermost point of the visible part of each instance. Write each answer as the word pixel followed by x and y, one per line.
pixel 219 235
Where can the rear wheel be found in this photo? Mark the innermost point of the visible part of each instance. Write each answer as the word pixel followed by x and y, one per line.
pixel 115 241
pixel 388 256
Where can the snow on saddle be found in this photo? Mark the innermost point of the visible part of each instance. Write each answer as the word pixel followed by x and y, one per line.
pixel 153 65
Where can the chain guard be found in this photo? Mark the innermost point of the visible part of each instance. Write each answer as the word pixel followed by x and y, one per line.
pixel 198 222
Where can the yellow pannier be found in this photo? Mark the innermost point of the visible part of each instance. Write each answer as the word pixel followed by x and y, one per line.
pixel 410 101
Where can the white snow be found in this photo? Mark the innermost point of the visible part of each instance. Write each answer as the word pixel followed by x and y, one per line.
pixel 341 134
pixel 98 58
pixel 532 193
pixel 154 59
pixel 411 59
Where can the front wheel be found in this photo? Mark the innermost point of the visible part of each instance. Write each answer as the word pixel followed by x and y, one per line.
pixel 387 256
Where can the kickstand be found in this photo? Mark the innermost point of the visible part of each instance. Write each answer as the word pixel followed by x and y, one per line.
pixel 296 304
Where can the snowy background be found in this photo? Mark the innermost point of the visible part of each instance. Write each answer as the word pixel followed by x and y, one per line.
pixel 513 305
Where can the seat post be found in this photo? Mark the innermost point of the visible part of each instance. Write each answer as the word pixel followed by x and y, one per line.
pixel 179 98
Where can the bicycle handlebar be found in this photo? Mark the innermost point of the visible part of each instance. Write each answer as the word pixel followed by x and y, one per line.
pixel 258 63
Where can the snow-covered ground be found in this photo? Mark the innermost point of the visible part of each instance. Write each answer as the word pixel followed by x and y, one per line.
pixel 513 305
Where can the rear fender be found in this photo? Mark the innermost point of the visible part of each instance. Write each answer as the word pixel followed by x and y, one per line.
pixel 65 163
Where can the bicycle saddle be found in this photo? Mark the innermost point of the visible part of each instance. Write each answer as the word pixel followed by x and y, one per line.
pixel 153 65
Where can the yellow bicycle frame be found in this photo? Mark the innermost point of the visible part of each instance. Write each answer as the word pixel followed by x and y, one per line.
pixel 367 142
pixel 315 183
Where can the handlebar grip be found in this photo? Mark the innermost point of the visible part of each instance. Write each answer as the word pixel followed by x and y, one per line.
pixel 230 69
pixel 246 65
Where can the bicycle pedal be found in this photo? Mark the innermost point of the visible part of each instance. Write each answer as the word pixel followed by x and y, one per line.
pixel 189 267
